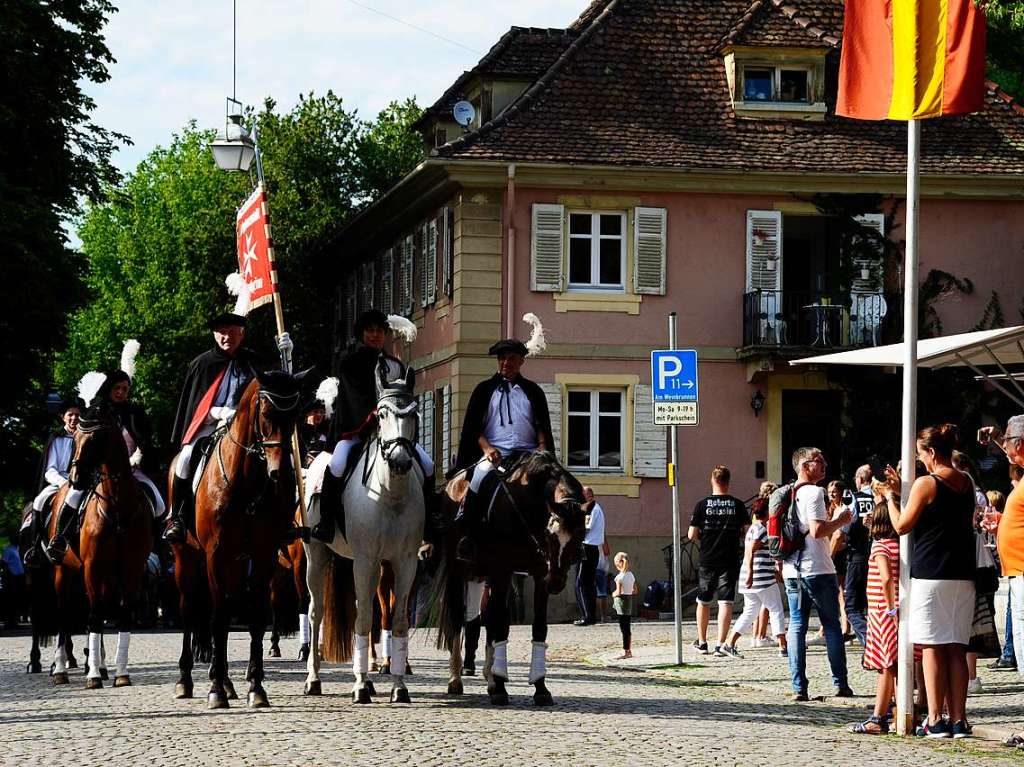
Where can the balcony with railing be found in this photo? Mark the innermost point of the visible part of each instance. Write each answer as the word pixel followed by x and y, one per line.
pixel 781 320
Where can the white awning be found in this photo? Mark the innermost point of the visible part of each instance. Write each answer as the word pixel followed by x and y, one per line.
pixel 1000 348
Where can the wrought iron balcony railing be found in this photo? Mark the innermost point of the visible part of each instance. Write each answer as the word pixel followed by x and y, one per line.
pixel 785 318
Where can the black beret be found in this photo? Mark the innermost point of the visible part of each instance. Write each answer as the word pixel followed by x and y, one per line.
pixel 508 346
pixel 226 318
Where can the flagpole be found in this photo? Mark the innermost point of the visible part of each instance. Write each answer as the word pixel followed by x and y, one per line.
pixel 908 453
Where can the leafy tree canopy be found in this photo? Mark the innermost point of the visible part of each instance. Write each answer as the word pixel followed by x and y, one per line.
pixel 1005 43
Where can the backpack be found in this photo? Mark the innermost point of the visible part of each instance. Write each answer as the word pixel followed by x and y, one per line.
pixel 785 538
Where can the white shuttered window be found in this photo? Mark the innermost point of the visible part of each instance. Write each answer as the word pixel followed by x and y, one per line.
pixel 546 247
pixel 650 457
pixel 649 250
pixel 764 250
pixel 427 422
pixel 430 267
pixel 446 428
pixel 406 274
pixel 387 261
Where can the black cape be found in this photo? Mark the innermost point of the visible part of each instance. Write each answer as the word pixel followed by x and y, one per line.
pixel 42 460
pixel 201 374
pixel 476 416
pixel 357 388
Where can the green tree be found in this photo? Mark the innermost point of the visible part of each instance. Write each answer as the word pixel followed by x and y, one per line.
pixel 388 149
pixel 51 155
pixel 159 248
pixel 1005 43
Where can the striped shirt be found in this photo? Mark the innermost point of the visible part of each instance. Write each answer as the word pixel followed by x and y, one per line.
pixel 764 565
pixel 880 650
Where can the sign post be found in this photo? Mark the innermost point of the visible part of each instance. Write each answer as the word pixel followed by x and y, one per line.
pixel 674 390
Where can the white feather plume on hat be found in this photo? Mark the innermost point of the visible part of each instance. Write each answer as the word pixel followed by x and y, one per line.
pixel 327 392
pixel 237 286
pixel 128 354
pixel 89 384
pixel 537 343
pixel 404 327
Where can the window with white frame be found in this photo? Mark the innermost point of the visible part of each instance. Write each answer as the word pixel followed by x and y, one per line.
pixel 767 83
pixel 597 250
pixel 595 429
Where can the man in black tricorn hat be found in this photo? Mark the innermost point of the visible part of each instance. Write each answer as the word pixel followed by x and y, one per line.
pixel 507 414
pixel 213 386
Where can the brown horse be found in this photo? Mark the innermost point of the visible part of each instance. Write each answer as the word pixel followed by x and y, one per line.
pixel 289 596
pixel 383 616
pixel 112 546
pixel 244 504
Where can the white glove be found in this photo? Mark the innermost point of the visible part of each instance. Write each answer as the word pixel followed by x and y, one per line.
pixel 284 343
pixel 221 414
pixel 136 458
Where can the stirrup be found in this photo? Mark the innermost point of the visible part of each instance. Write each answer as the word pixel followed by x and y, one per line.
pixel 175 531
pixel 56 549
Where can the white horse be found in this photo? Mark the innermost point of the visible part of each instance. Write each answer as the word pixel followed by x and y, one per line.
pixel 383 520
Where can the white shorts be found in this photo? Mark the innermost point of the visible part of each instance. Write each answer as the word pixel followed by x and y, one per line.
pixel 941 612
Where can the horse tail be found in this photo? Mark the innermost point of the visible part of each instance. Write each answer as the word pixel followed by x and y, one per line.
pixel 339 610
pixel 446 605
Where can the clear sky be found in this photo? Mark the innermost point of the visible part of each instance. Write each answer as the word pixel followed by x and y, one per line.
pixel 174 57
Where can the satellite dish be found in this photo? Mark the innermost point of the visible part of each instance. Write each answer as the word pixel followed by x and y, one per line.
pixel 463 112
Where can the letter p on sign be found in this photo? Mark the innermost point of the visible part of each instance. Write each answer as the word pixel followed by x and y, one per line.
pixel 668 368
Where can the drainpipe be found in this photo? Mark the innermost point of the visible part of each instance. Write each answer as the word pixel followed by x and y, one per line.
pixel 510 207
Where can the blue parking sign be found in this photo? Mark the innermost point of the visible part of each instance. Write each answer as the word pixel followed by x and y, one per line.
pixel 674 387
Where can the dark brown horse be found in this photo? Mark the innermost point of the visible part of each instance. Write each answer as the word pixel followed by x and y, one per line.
pixel 112 546
pixel 289 596
pixel 244 505
pixel 535 525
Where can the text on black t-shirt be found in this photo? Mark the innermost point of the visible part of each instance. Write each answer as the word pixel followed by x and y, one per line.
pixel 720 519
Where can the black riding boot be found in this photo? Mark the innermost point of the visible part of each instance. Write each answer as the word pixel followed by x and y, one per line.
pixel 472 642
pixel 330 508
pixel 182 511
pixel 35 552
pixel 58 547
pixel 467 525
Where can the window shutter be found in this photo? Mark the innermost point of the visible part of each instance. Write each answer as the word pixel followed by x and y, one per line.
pixel 764 250
pixel 649 250
pixel 446 428
pixel 431 266
pixel 427 423
pixel 424 236
pixel 366 286
pixel 553 394
pixel 386 270
pixel 350 308
pixel 649 454
pixel 446 251
pixel 548 238
pixel 407 276
pixel 873 284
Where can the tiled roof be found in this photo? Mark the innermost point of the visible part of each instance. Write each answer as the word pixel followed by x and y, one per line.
pixel 522 52
pixel 643 84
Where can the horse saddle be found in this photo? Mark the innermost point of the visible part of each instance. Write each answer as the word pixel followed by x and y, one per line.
pixel 200 458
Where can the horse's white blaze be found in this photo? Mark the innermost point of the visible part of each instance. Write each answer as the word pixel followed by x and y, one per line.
pixel 538 662
pixel 95 655
pixel 124 639
pixel 361 655
pixel 499 666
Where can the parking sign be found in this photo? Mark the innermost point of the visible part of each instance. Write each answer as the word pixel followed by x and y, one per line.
pixel 675 387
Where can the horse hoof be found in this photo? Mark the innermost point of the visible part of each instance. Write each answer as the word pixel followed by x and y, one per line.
pixel 361 696
pixel 313 688
pixel 60 677
pixel 257 699
pixel 499 699
pixel 304 652
pixel 543 699
pixel 229 688
pixel 385 669
pixel 123 681
pixel 182 691
pixel 216 700
pixel 455 687
pixel 94 683
pixel 34 667
pixel 104 675
pixel 400 695
pixel 72 663
pixel 275 652
pixel 370 687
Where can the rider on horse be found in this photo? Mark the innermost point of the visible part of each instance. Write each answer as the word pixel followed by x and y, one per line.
pixel 507 414
pixel 313 431
pixel 356 404
pixel 213 385
pixel 53 472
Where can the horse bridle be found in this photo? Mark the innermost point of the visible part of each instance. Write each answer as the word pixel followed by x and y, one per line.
pixel 258 449
pixel 388 446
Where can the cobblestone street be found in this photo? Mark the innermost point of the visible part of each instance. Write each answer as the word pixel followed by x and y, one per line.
pixel 724 712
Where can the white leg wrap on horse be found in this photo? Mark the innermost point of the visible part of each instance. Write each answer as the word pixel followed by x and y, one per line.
pixel 399 654
pixel 361 656
pixel 60 659
pixel 385 643
pixel 538 658
pixel 500 665
pixel 95 655
pixel 124 639
pixel 304 628
pixel 474 593
pixel 480 471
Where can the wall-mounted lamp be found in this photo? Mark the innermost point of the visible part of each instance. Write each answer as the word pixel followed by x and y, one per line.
pixel 757 402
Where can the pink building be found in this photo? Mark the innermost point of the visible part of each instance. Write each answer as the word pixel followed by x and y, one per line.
pixel 680 156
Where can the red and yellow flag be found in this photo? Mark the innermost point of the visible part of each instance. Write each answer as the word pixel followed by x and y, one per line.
pixel 911 59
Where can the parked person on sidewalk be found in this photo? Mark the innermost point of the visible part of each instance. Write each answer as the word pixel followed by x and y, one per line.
pixel 858 543
pixel 881 646
pixel 810 576
pixel 586 584
pixel 718 523
pixel 940 512
pixel 622 601
pixel 759 584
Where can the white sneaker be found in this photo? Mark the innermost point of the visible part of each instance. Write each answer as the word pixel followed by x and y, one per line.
pixel 974 686
pixel 816 641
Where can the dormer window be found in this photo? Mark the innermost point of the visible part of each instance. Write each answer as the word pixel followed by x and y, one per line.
pixel 774 83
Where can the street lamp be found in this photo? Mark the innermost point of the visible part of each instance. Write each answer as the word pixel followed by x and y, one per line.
pixel 235 150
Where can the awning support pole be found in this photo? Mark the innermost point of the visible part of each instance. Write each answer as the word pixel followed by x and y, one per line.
pixel 991 380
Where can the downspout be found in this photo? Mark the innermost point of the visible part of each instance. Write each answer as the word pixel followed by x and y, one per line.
pixel 510 229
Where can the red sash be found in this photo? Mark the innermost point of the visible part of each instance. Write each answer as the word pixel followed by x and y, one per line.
pixel 203 409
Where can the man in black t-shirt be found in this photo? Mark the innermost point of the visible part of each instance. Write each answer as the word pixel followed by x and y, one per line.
pixel 858 544
pixel 718 522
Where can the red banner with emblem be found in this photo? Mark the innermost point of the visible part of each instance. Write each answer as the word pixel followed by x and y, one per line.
pixel 255 249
